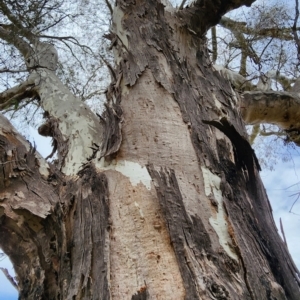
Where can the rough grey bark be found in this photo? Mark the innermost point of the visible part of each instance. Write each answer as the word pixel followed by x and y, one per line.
pixel 166 202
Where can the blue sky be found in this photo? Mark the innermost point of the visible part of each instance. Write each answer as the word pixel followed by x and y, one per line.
pixel 283 185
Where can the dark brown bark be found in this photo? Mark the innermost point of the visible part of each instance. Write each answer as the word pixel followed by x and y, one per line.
pixel 54 230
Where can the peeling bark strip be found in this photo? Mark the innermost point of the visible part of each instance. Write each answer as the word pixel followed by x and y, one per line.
pixel 51 129
pixel 64 255
pixel 27 200
pixel 89 246
pixel 112 136
pixel 111 119
pixel 189 238
pixel 57 241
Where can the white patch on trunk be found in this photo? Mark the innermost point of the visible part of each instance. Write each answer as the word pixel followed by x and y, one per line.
pixel 217 102
pixel 118 17
pixel 140 210
pixel 168 6
pixel 43 165
pixel 132 170
pixel 218 222
pixel 119 31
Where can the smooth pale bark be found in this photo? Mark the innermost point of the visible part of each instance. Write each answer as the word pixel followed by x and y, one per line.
pixel 259 104
pixel 75 128
pixel 171 208
pixel 280 108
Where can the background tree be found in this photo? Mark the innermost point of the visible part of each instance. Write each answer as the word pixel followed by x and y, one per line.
pixel 160 196
pixel 260 44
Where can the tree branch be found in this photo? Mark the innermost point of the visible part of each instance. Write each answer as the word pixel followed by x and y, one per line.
pixel 269 133
pixel 53 24
pixel 9 278
pixel 279 108
pixel 109 6
pixel 16 26
pixel 5 70
pixel 282 232
pixel 19 43
pixel 294 29
pixel 237 80
pixel 203 14
pixel 16 94
pixel 254 133
pixel 284 33
pixel 214 44
pixel 243 43
pixel 182 4
pixel 70 39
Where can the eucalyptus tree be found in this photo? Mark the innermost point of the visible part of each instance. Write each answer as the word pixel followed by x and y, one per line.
pixel 160 196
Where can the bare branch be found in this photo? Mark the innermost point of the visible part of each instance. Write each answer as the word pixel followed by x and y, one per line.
pixel 9 278
pixel 254 133
pixel 237 80
pixel 109 6
pixel 5 70
pixel 182 4
pixel 16 26
pixel 243 43
pixel 282 231
pixel 280 108
pixel 269 133
pixel 283 33
pixel 14 109
pixel 214 44
pixel 70 39
pixel 243 66
pixel 294 29
pixel 53 24
pixel 18 42
pixel 16 94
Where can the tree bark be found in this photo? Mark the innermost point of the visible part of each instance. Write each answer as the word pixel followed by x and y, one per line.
pixel 167 203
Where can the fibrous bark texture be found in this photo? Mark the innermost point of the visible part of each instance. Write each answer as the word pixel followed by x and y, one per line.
pixel 181 119
pixel 55 229
pixel 159 198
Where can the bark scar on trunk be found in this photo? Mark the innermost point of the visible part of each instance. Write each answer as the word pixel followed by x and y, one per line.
pixel 188 236
pixel 244 153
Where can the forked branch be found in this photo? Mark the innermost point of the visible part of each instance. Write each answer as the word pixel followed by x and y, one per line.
pixel 17 93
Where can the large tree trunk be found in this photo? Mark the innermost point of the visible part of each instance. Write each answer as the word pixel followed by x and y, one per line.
pixel 171 208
